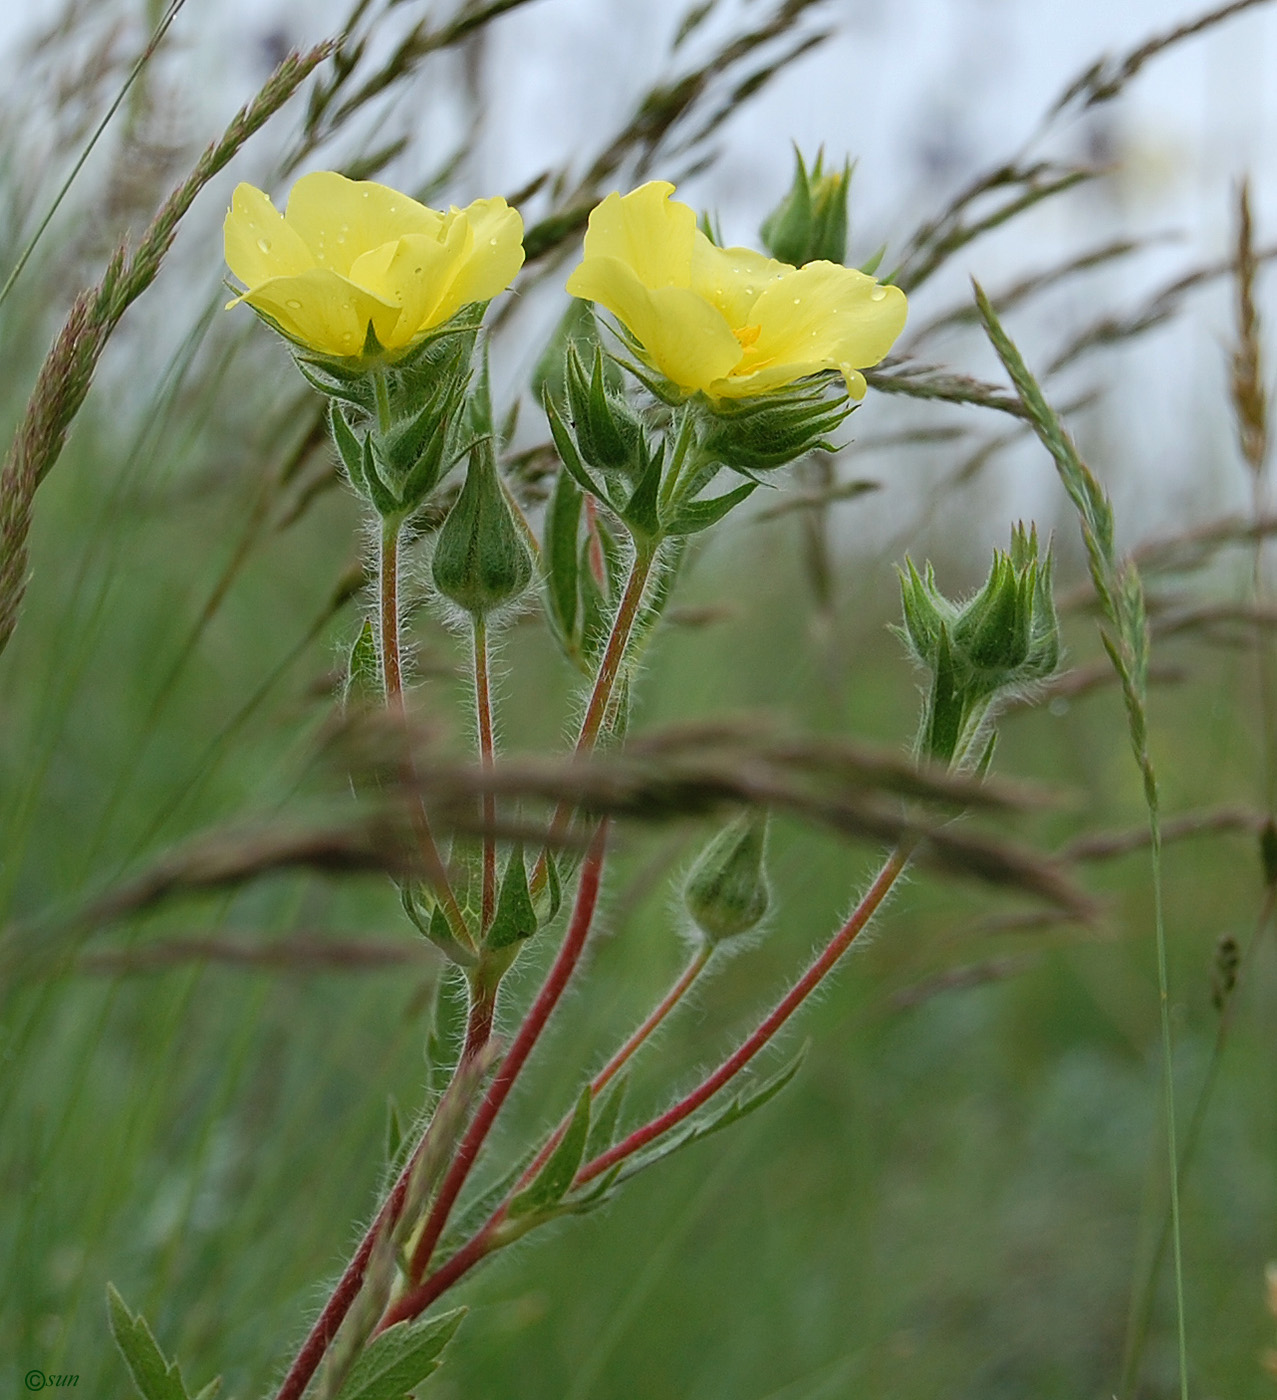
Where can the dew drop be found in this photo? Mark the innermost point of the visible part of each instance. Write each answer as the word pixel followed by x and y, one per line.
pixel 293 304
pixel 264 244
pixel 492 242
pixel 798 301
pixel 878 294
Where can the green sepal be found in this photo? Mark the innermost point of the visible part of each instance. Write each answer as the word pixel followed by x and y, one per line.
pixel 568 454
pixel 607 432
pixel 549 898
pixel 397 1360
pixel 155 1377
pixel 349 448
pixel 694 516
pixel 347 388
pixel 642 511
pixel 577 327
pixel 383 499
pixel 873 263
pixel 946 708
pixel 364 686
pixel 555 1178
pixel 561 561
pixel 515 918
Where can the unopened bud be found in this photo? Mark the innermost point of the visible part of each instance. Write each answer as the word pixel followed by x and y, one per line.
pixel 607 430
pixel 810 223
pixel 481 559
pixel 726 893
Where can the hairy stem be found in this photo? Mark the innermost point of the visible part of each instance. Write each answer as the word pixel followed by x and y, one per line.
pixel 392 680
pixel 784 1009
pixel 534 1023
pixel 487 757
pixel 601 694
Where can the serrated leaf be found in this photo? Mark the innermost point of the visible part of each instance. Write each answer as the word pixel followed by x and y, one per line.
pixel 555 1178
pixel 694 516
pixel 397 1360
pixel 155 1377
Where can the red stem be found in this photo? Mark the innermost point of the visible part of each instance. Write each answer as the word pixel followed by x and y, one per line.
pixel 618 1061
pixel 601 695
pixel 565 962
pixel 784 1009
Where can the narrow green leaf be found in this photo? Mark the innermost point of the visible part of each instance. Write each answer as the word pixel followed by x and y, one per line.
pixel 348 448
pixel 605 1115
pixel 394 1132
pixel 447 1030
pixel 155 1377
pixel 555 1178
pixel 400 1358
pixel 641 513
pixel 559 553
pixel 694 516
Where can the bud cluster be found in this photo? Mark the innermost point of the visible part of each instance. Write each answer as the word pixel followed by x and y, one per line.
pixel 810 223
pixel 1003 640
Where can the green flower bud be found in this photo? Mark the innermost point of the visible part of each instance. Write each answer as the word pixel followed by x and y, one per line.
pixel 771 430
pixel 481 559
pixel 1002 640
pixel 810 223
pixel 726 892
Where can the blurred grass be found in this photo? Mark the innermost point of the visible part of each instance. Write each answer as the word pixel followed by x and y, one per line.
pixel 954 1198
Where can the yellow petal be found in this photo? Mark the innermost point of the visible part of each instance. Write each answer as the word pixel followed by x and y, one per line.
pixel 323 311
pixel 650 233
pixel 493 258
pixel 825 315
pixel 732 279
pixel 414 273
pixel 682 334
pixel 340 219
pixel 259 244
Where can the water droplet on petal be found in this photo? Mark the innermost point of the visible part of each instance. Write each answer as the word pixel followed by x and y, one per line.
pixel 798 301
pixel 492 242
pixel 264 244
pixel 293 304
pixel 877 294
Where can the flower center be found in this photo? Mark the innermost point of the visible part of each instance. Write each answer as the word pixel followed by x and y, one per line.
pixel 747 335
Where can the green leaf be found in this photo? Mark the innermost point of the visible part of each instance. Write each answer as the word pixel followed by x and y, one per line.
pixel 605 1116
pixel 447 1030
pixel 397 1360
pixel 695 516
pixel 155 1378
pixel 348 448
pixel 744 1103
pixel 363 670
pixel 555 1178
pixel 559 555
pixel 394 1132
pixel 641 513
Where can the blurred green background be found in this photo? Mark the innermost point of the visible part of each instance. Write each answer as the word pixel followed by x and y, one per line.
pixel 959 1195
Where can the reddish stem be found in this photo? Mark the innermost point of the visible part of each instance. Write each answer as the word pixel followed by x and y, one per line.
pixel 618 1061
pixel 392 677
pixel 784 1009
pixel 601 695
pixel 487 757
pixel 565 962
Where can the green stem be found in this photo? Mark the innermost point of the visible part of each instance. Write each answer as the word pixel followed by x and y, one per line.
pixel 487 757
pixel 392 679
pixel 601 694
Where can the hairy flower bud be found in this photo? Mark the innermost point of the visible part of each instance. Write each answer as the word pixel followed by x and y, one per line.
pixel 1000 641
pixel 481 558
pixel 726 892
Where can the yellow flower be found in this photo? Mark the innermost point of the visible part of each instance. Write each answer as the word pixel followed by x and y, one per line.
pixel 347 254
pixel 728 321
